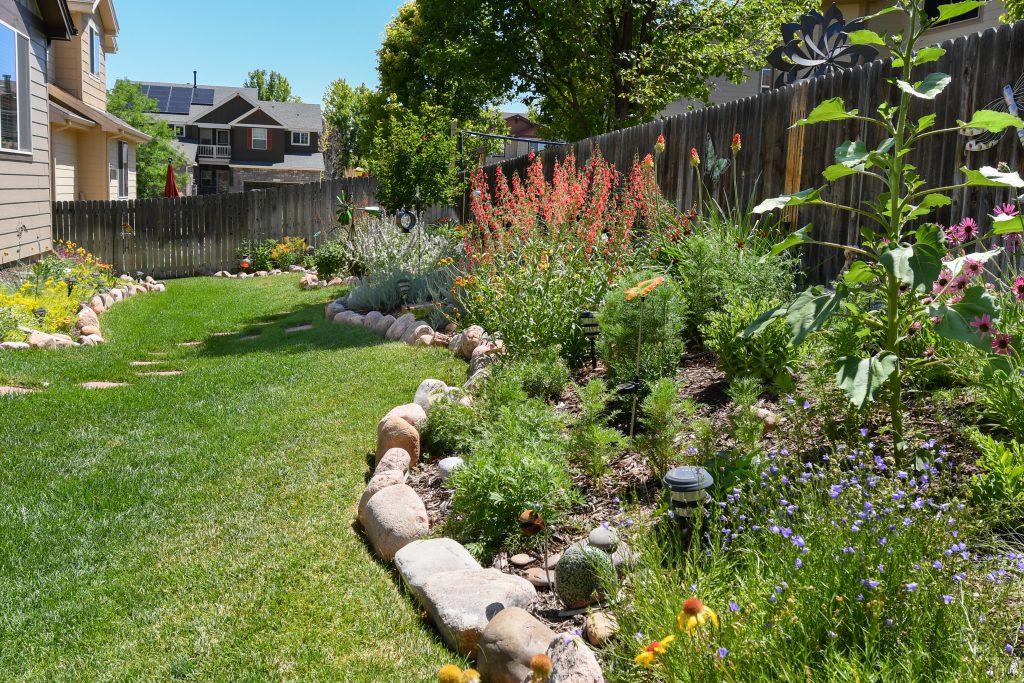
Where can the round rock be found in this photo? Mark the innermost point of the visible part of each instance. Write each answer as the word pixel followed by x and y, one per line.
pixel 395 432
pixel 448 465
pixel 379 482
pixel 393 518
pixel 397 459
pixel 604 538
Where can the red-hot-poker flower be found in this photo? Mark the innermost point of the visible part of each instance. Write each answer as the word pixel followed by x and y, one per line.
pixel 694 615
pixel 659 145
pixel 737 143
pixel 983 324
pixel 541 667
pixel 651 652
pixel 1001 344
pixel 648 161
pixel 694 157
pixel 644 288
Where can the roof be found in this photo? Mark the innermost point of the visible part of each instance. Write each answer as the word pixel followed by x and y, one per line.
pixel 57 19
pixel 292 162
pixel 69 105
pixel 292 115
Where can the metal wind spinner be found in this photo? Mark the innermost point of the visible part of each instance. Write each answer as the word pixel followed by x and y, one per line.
pixel 819 44
pixel 1012 102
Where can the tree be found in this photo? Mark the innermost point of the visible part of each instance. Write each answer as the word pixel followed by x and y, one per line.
pixel 127 102
pixel 586 67
pixel 272 86
pixel 346 126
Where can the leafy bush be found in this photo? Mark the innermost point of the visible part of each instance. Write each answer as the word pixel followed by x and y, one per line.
pixel 11 318
pixel 766 356
pixel 542 375
pixel 451 429
pixel 592 443
pixel 291 251
pixel 377 246
pixel 661 345
pixel 330 260
pixel 661 425
pixel 1001 479
pixel 999 400
pixel 259 253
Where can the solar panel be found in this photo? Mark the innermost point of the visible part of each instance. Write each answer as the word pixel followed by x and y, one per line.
pixel 202 96
pixel 145 89
pixel 180 101
pixel 162 94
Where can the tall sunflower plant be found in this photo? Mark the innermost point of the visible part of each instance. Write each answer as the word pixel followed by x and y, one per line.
pixel 900 256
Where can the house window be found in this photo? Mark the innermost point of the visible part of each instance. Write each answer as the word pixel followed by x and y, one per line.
pixel 259 138
pixel 179 131
pixel 224 137
pixel 300 139
pixel 94 52
pixel 122 169
pixel 15 112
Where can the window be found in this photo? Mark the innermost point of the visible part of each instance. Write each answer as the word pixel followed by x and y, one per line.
pixel 15 112
pixel 300 139
pixel 94 52
pixel 179 131
pixel 766 78
pixel 224 137
pixel 122 169
pixel 259 138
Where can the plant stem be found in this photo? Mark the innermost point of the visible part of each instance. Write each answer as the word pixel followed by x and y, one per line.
pixel 636 368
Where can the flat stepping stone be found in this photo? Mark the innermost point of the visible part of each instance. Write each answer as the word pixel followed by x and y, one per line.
pixel 539 577
pixel 102 385
pixel 15 391
pixel 264 323
pixel 224 334
pixel 299 328
pixel 190 343
pixel 160 373
pixel 140 363
pixel 521 560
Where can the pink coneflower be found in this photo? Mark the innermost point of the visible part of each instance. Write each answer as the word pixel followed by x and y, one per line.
pixel 959 283
pixel 974 267
pixel 983 324
pixel 915 327
pixel 945 278
pixel 964 231
pixel 1012 242
pixel 929 353
pixel 1005 210
pixel 1001 344
pixel 1018 288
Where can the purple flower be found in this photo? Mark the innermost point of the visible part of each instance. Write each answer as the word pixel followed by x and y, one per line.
pixel 1009 649
pixel 870 583
pixel 733 607
pixel 722 652
pixel 864 432
pixel 937 564
pixel 911 587
pixel 883 540
pixel 947 599
pixel 799 563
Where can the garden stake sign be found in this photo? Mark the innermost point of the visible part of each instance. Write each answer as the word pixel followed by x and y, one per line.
pixel 891 288
pixel 641 290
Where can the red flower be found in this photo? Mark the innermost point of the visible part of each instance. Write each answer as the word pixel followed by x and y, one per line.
pixel 659 145
pixel 737 143
pixel 694 157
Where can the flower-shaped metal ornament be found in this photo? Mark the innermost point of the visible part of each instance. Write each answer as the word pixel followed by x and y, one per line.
pixel 819 44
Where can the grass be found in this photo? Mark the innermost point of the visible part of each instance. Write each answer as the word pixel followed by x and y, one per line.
pixel 200 527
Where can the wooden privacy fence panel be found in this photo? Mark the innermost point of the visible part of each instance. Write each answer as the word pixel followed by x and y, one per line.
pixel 198 235
pixel 779 159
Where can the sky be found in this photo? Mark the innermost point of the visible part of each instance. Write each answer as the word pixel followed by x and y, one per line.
pixel 311 42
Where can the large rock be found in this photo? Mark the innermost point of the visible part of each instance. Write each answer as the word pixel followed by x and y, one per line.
pixel 395 459
pixel 97 305
pixel 379 482
pixel 87 318
pixel 423 341
pixel 414 332
pixel 308 281
pixel 509 642
pixel 483 355
pixel 448 465
pixel 91 340
pixel 394 517
pixel 420 561
pixel 14 345
pixel 402 324
pixel 471 338
pixel 412 413
pixel 455 344
pixel 332 309
pixel 395 432
pixel 572 661
pixel 462 602
pixel 87 330
pixel 116 295
pixel 108 300
pixel 428 392
pixel 384 324
pixel 371 319
pixel 52 342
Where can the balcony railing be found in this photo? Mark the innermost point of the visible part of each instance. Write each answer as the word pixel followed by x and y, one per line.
pixel 214 151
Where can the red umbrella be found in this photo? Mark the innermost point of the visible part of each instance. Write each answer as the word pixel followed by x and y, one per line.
pixel 170 186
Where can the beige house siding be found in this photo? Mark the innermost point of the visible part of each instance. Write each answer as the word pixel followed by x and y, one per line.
pixel 25 180
pixel 93 176
pixel 70 64
pixel 65 162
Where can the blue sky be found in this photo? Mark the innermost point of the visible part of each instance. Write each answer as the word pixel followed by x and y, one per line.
pixel 311 42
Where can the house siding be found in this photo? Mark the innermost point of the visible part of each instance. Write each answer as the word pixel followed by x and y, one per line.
pixel 24 179
pixel 70 69
pixel 240 151
pixel 312 148
pixel 65 163
pixel 227 112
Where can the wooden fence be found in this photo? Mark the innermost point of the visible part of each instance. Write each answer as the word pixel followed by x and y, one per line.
pixel 198 235
pixel 778 159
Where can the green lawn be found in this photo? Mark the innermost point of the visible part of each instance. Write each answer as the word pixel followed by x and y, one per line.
pixel 199 527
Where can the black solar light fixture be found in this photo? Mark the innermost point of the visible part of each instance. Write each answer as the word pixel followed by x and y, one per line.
pixel 70 281
pixel 403 290
pixel 139 275
pixel 688 491
pixel 588 321
pixel 40 313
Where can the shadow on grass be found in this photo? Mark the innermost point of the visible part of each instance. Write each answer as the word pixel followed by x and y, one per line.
pixel 271 334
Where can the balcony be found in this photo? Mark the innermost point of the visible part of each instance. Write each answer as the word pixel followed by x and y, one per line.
pixel 222 152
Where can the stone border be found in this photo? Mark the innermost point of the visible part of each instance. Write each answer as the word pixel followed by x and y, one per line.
pixel 87 324
pixel 259 273
pixel 480 613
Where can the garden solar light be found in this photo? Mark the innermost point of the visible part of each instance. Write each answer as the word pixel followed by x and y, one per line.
pixel 40 313
pixel 245 263
pixel 139 275
pixel 588 321
pixel 406 220
pixel 403 290
pixel 70 281
pixel 688 490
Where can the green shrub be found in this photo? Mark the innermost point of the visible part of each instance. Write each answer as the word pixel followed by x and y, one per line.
pixel 330 259
pixel 542 375
pixel 766 356
pixel 10 318
pixel 661 345
pixel 661 426
pixel 451 429
pixel 999 400
pixel 1001 479
pixel 592 443
pixel 259 253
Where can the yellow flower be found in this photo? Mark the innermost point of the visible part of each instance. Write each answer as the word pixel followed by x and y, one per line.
pixel 471 676
pixel 657 647
pixel 694 615
pixel 449 673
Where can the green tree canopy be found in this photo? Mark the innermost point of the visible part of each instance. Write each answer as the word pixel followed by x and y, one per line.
pixel 126 101
pixel 585 67
pixel 346 125
pixel 272 86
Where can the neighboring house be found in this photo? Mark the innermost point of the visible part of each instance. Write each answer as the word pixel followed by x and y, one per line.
pixel 92 152
pixel 974 22
pixel 519 127
pixel 27 28
pixel 235 142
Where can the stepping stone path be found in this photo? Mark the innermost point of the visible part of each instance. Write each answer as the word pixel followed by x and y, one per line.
pixel 224 334
pixel 160 373
pixel 190 343
pixel 102 385
pixel 15 391
pixel 299 328
pixel 139 363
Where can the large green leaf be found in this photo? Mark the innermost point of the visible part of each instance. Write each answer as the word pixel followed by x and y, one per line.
pixel 851 153
pixel 957 9
pixel 796 238
pixel 930 202
pixel 1004 224
pixel 955 319
pixel 811 309
pixel 859 273
pixel 986 176
pixel 808 196
pixel 926 122
pixel 861 378
pixel 928 88
pixel 865 37
pixel 992 121
pixel 928 54
pixel 917 265
pixel 837 171
pixel 829 110
pixel 763 321
pixel 957 264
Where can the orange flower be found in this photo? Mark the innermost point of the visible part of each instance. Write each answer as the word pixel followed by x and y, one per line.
pixel 644 288
pixel 694 157
pixel 737 143
pixel 657 647
pixel 695 613
pixel 541 666
pixel 648 161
